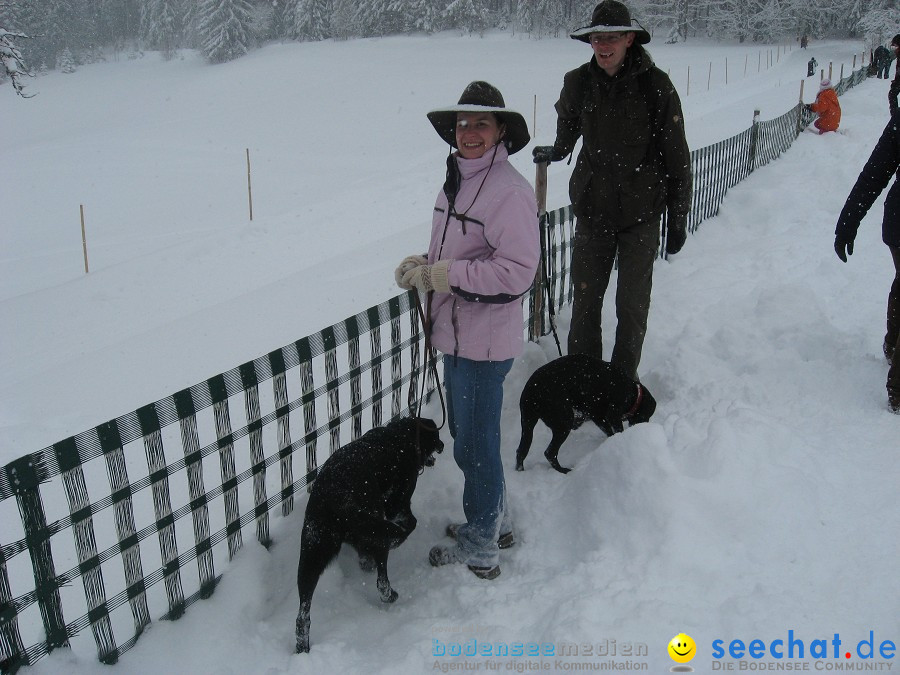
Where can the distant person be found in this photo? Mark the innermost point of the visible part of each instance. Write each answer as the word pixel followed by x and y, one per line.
pixel 811 67
pixel 634 164
pixel 827 107
pixel 876 174
pixel 481 262
pixel 882 59
pixel 804 41
pixel 894 91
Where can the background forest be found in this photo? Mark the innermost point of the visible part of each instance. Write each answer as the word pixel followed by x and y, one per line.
pixel 39 35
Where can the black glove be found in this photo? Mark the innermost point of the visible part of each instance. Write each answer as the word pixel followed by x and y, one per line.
pixel 676 233
pixel 546 153
pixel 807 106
pixel 843 247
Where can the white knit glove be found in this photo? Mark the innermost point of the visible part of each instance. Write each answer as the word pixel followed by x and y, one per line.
pixel 410 262
pixel 429 277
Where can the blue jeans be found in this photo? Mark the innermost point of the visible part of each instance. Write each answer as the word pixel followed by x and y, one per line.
pixel 474 401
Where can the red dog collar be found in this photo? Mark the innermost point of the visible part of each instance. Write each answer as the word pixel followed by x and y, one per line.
pixel 637 403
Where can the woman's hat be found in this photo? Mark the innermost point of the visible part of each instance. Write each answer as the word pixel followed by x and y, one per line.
pixel 611 16
pixel 825 84
pixel 482 97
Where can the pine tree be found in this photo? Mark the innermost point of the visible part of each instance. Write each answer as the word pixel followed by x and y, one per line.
pixel 224 29
pixel 161 25
pixel 66 62
pixel 468 15
pixel 525 16
pixel 13 63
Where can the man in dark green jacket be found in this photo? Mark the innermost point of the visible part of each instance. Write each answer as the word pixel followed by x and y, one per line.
pixel 633 166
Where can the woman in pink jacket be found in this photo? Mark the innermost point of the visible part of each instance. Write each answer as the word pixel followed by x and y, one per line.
pixel 481 262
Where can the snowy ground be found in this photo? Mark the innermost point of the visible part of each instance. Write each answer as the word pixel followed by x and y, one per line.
pixel 760 500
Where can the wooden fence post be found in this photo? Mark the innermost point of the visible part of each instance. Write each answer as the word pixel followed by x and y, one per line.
pixel 249 190
pixel 83 240
pixel 754 135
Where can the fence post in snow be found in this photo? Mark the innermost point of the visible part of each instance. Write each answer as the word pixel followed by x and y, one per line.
pixel 83 240
pixel 800 108
pixel 249 191
pixel 830 67
pixel 754 134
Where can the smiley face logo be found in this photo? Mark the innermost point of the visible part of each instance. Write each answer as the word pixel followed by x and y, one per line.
pixel 682 648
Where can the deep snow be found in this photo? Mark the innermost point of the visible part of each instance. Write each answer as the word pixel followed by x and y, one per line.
pixel 761 499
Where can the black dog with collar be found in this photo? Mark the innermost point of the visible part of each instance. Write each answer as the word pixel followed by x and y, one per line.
pixel 361 496
pixel 569 390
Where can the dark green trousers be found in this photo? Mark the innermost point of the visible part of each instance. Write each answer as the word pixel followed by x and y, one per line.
pixel 597 244
pixel 892 335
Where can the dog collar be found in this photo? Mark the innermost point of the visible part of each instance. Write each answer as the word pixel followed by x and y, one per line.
pixel 637 403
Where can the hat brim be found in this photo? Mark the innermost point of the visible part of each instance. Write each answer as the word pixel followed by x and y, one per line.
pixel 516 137
pixel 641 36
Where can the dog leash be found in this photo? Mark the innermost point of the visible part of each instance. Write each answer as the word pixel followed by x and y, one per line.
pixel 430 360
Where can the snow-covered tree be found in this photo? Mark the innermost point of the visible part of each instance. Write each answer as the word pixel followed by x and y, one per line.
pixel 468 15
pixel 13 63
pixel 66 62
pixel 161 25
pixel 878 25
pixel 225 29
pixel 314 19
pixel 525 16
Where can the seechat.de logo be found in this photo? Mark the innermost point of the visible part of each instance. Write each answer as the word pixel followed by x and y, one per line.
pixel 823 649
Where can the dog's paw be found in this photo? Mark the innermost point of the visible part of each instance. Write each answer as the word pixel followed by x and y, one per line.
pixel 366 563
pixel 520 466
pixel 389 597
pixel 560 468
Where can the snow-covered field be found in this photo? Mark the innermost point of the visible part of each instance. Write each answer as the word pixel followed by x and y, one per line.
pixel 761 499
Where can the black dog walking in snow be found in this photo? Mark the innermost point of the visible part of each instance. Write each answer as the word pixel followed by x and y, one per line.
pixel 569 390
pixel 361 497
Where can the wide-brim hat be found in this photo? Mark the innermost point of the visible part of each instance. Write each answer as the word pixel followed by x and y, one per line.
pixel 482 97
pixel 611 16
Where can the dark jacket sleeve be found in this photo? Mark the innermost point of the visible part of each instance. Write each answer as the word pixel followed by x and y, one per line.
pixel 568 112
pixel 674 148
pixel 875 176
pixel 894 91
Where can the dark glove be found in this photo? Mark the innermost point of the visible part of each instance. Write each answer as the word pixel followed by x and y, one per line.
pixel 807 106
pixel 843 247
pixel 676 233
pixel 546 153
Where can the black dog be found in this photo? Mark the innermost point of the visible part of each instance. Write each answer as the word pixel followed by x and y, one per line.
pixel 565 392
pixel 361 496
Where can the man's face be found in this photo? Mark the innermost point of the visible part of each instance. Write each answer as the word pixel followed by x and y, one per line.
pixel 610 48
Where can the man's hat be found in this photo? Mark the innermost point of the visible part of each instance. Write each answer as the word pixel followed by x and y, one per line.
pixel 482 97
pixel 611 16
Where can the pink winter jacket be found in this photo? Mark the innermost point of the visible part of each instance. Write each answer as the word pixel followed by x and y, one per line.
pixel 495 252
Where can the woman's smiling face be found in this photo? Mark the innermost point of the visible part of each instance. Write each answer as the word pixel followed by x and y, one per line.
pixel 476 133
